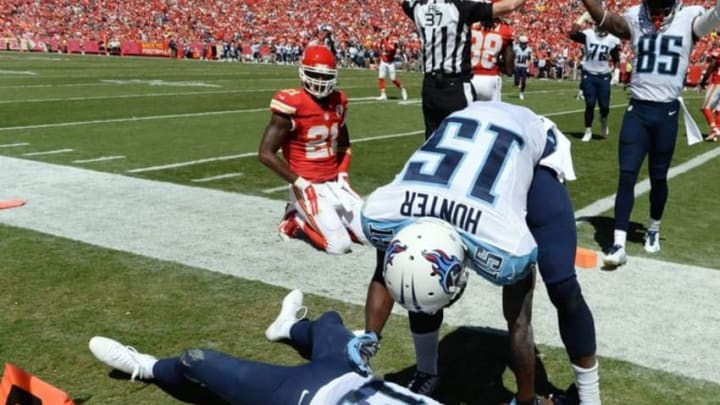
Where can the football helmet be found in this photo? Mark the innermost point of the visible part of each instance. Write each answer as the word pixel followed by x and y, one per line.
pixel 523 40
pixel 318 71
pixel 660 12
pixel 424 266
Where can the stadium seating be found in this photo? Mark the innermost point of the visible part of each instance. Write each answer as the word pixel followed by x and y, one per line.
pixel 92 25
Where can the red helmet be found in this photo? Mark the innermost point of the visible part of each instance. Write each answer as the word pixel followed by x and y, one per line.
pixel 318 71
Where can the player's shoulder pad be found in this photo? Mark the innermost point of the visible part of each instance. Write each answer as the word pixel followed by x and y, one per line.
pixel 286 101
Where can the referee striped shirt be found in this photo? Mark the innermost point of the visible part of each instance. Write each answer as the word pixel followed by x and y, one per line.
pixel 444 27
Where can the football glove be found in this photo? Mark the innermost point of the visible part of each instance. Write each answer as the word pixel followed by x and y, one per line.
pixel 343 180
pixel 359 351
pixel 307 191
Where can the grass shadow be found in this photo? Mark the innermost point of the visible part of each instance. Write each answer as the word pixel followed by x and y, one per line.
pixel 605 228
pixel 188 393
pixel 471 364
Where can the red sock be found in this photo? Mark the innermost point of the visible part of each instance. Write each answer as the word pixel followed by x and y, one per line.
pixel 381 84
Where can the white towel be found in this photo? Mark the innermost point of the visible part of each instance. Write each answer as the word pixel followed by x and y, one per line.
pixel 691 129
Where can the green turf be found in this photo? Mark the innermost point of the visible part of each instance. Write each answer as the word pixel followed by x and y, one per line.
pixel 58 293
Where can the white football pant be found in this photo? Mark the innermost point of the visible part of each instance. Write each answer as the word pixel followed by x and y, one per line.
pixel 487 88
pixel 386 69
pixel 338 213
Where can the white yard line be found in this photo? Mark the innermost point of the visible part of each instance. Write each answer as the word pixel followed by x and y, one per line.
pixel 48 152
pixel 17 72
pixel 250 154
pixel 218 177
pixel 99 159
pixel 142 95
pixel 191 163
pixel 14 145
pixel 131 119
pixel 658 327
pixel 643 187
pixel 275 189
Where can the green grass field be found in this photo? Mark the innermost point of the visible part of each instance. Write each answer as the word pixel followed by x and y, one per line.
pixel 187 122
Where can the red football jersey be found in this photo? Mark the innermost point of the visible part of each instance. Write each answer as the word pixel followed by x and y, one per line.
pixel 715 76
pixel 486 45
pixel 311 151
pixel 388 49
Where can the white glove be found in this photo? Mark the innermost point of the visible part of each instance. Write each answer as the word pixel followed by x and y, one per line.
pixel 583 18
pixel 309 196
pixel 343 180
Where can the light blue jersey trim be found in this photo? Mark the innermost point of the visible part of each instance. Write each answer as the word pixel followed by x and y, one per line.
pixel 496 265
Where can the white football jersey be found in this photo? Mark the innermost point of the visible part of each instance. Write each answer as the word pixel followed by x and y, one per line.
pixel 352 388
pixel 473 172
pixel 522 56
pixel 597 51
pixel 661 59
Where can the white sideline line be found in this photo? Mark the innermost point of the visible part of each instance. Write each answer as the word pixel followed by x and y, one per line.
pixel 48 152
pixel 642 187
pixel 626 312
pixel 14 145
pixel 100 159
pixel 219 177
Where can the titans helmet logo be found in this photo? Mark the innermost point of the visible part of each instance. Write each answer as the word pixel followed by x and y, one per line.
pixel 393 249
pixel 447 268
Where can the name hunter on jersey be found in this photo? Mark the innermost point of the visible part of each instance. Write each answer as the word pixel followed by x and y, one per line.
pixel 426 205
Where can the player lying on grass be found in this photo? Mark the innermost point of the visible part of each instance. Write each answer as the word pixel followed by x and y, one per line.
pixel 336 374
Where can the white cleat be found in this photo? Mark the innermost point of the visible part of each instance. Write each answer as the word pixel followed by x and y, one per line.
pixel 615 257
pixel 403 93
pixel 291 305
pixel 652 241
pixel 604 129
pixel 588 135
pixel 123 358
pixel 382 97
pixel 522 96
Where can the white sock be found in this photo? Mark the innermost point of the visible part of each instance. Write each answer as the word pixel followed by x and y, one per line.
pixel 587 381
pixel 147 363
pixel 620 237
pixel 426 351
pixel 654 225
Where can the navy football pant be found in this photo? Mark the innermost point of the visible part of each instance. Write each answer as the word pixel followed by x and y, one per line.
pixel 596 89
pixel 551 220
pixel 648 128
pixel 241 381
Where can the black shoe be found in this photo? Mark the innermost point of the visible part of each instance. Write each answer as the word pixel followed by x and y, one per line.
pixel 423 383
pixel 569 397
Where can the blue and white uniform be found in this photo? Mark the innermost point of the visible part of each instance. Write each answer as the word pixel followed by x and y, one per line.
pixel 523 57
pixel 650 123
pixel 596 71
pixel 475 173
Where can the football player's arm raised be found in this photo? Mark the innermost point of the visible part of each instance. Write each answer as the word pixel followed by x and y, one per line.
pixel 276 134
pixel 576 30
pixel 609 21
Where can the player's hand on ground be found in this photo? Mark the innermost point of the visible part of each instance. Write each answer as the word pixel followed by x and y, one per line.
pixel 309 196
pixel 360 349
